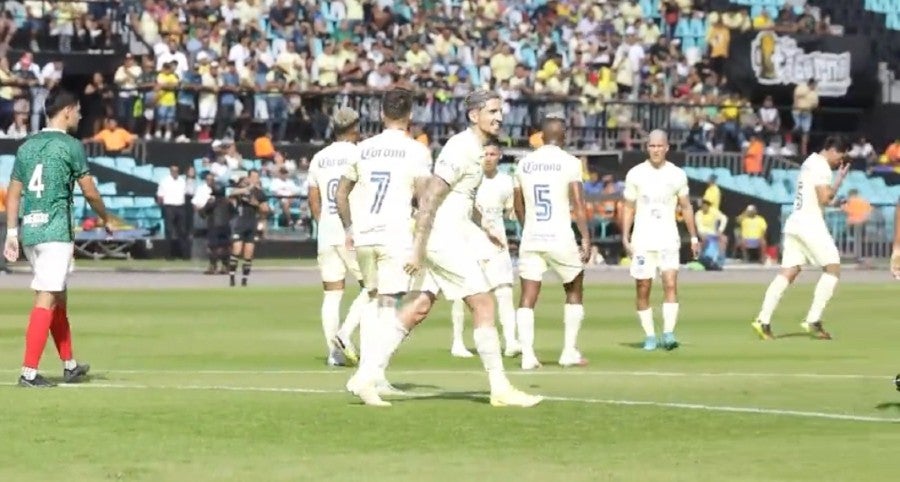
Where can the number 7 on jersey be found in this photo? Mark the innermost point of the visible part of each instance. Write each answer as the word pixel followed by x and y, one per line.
pixel 383 180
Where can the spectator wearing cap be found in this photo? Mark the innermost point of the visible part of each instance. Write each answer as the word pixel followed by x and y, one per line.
pixel 751 235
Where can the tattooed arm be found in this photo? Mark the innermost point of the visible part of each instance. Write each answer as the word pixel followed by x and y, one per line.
pixel 433 194
pixel 343 201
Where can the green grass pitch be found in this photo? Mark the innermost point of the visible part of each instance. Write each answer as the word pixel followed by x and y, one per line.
pixel 230 385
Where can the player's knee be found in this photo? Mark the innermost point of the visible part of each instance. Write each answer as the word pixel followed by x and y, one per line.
pixel 419 307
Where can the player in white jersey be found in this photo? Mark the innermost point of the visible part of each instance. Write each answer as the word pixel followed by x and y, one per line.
pixel 493 203
pixel 653 189
pixel 807 240
pixel 547 184
pixel 335 260
pixel 378 214
pixel 441 258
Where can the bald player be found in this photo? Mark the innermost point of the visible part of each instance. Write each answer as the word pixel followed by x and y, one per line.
pixel 653 189
pixel 547 184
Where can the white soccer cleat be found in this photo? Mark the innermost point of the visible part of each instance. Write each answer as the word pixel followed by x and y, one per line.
pixel 354 384
pixel 460 351
pixel 514 398
pixel 530 362
pixel 513 349
pixel 336 359
pixel 572 358
pixel 369 396
pixel 385 389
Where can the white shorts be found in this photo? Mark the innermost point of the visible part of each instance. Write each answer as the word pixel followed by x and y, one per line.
pixel 382 269
pixel 814 248
pixel 454 272
pixel 645 264
pixel 207 113
pixel 51 264
pixel 335 262
pixel 499 269
pixel 566 263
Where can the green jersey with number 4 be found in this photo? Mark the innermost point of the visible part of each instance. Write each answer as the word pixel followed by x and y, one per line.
pixel 47 165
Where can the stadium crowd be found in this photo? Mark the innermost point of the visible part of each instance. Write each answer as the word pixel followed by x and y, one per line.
pixel 206 69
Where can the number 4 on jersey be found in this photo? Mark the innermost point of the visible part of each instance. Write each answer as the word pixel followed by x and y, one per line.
pixel 36 183
pixel 543 208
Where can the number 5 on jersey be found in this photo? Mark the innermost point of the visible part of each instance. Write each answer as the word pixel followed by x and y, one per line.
pixel 383 180
pixel 36 183
pixel 543 208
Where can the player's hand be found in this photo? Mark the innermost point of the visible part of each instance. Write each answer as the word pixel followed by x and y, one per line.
pixel 585 251
pixel 348 242
pixel 695 247
pixel 843 170
pixel 414 265
pixel 895 264
pixel 626 243
pixel 11 249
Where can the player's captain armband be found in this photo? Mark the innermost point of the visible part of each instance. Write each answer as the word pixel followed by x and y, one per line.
pixel 35 219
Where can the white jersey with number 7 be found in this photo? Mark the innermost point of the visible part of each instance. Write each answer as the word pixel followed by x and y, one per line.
pixel 544 177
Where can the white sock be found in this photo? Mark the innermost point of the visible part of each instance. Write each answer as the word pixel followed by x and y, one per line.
pixel 70 364
pixel 507 313
pixel 487 342
pixel 773 296
pixel 331 315
pixel 368 332
pixel 354 315
pixel 525 324
pixel 29 373
pixel 572 317
pixel 646 317
pixel 821 296
pixel 458 318
pixel 670 317
pixel 390 335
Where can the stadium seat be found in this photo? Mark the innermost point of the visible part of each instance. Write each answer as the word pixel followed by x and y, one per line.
pixel 143 172
pixel 125 164
pixel 159 173
pixel 104 161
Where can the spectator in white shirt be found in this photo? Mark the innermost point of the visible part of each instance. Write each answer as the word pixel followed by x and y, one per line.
pixel 862 154
pixel 769 120
pixel 286 190
pixel 170 194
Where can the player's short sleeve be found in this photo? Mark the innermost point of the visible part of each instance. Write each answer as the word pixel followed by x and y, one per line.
pixel 351 170
pixel 312 177
pixel 423 161
pixel 449 165
pixel 573 170
pixel 77 159
pixel 630 193
pixel 821 174
pixel 682 184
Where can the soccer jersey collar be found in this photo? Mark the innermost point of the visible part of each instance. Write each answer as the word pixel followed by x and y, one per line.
pixel 52 129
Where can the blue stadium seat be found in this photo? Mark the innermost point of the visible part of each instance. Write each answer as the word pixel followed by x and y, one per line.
pixel 144 201
pixel 107 188
pixel 159 173
pixel 104 161
pixel 143 172
pixel 125 164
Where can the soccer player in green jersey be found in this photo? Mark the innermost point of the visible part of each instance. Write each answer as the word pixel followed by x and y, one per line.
pixel 48 164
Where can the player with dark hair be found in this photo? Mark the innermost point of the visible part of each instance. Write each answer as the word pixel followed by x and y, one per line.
pixel 46 169
pixel 252 206
pixel 807 240
pixel 214 205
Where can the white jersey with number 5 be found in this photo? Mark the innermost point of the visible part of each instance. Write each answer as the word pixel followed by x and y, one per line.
pixel 655 192
pixel 385 175
pixel 807 213
pixel 325 172
pixel 460 166
pixel 544 177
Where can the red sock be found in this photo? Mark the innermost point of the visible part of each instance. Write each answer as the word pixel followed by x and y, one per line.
pixel 62 334
pixel 36 336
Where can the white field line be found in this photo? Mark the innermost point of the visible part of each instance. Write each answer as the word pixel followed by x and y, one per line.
pixel 541 372
pixel 598 401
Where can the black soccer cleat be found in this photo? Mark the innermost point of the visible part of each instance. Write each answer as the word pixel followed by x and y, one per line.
pixel 897 382
pixel 231 281
pixel 37 382
pixel 76 374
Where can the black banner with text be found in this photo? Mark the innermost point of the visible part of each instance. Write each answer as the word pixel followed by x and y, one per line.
pixel 769 63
